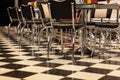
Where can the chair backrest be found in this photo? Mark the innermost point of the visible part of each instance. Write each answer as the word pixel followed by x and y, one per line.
pixel 43 8
pixel 13 13
pixel 27 12
pixel 42 13
pixel 105 11
pixel 62 9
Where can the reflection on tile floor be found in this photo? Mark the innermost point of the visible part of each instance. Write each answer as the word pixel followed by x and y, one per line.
pixel 18 63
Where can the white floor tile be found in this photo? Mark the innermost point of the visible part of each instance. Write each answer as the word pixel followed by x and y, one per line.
pixel 41 52
pixel 106 66
pixel 91 60
pixel 14 49
pixel 28 62
pixel 71 67
pixel 86 76
pixel 22 57
pixel 8 78
pixel 114 50
pixel 4 70
pixel 1 57
pixel 52 56
pixel 115 73
pixel 35 69
pixel 115 59
pixel 18 53
pixel 60 61
pixel 44 77
pixel 3 63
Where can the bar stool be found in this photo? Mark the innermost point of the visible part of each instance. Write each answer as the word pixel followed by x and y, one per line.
pixel 63 17
pixel 15 19
pixel 106 27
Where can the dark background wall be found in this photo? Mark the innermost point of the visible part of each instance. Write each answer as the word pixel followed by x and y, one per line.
pixel 26 1
pixel 4 4
pixel 4 20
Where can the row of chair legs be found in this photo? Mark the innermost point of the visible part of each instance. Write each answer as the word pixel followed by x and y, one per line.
pixel 102 39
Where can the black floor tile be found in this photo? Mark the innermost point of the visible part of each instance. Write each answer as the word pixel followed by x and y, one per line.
pixel 47 64
pixel 69 58
pixel 111 62
pixel 3 48
pixel 33 54
pixel 9 60
pixel 97 70
pixel 101 56
pixel 27 50
pixel 110 78
pixel 13 66
pixel 5 51
pixel 7 55
pixel 118 69
pixel 83 63
pixel 18 74
pixel 3 44
pixel 40 59
pixel 59 72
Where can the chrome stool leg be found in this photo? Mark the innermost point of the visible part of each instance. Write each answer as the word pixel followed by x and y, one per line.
pixel 62 45
pixel 73 48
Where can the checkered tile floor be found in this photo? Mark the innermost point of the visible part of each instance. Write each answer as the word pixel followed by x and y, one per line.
pixel 18 63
